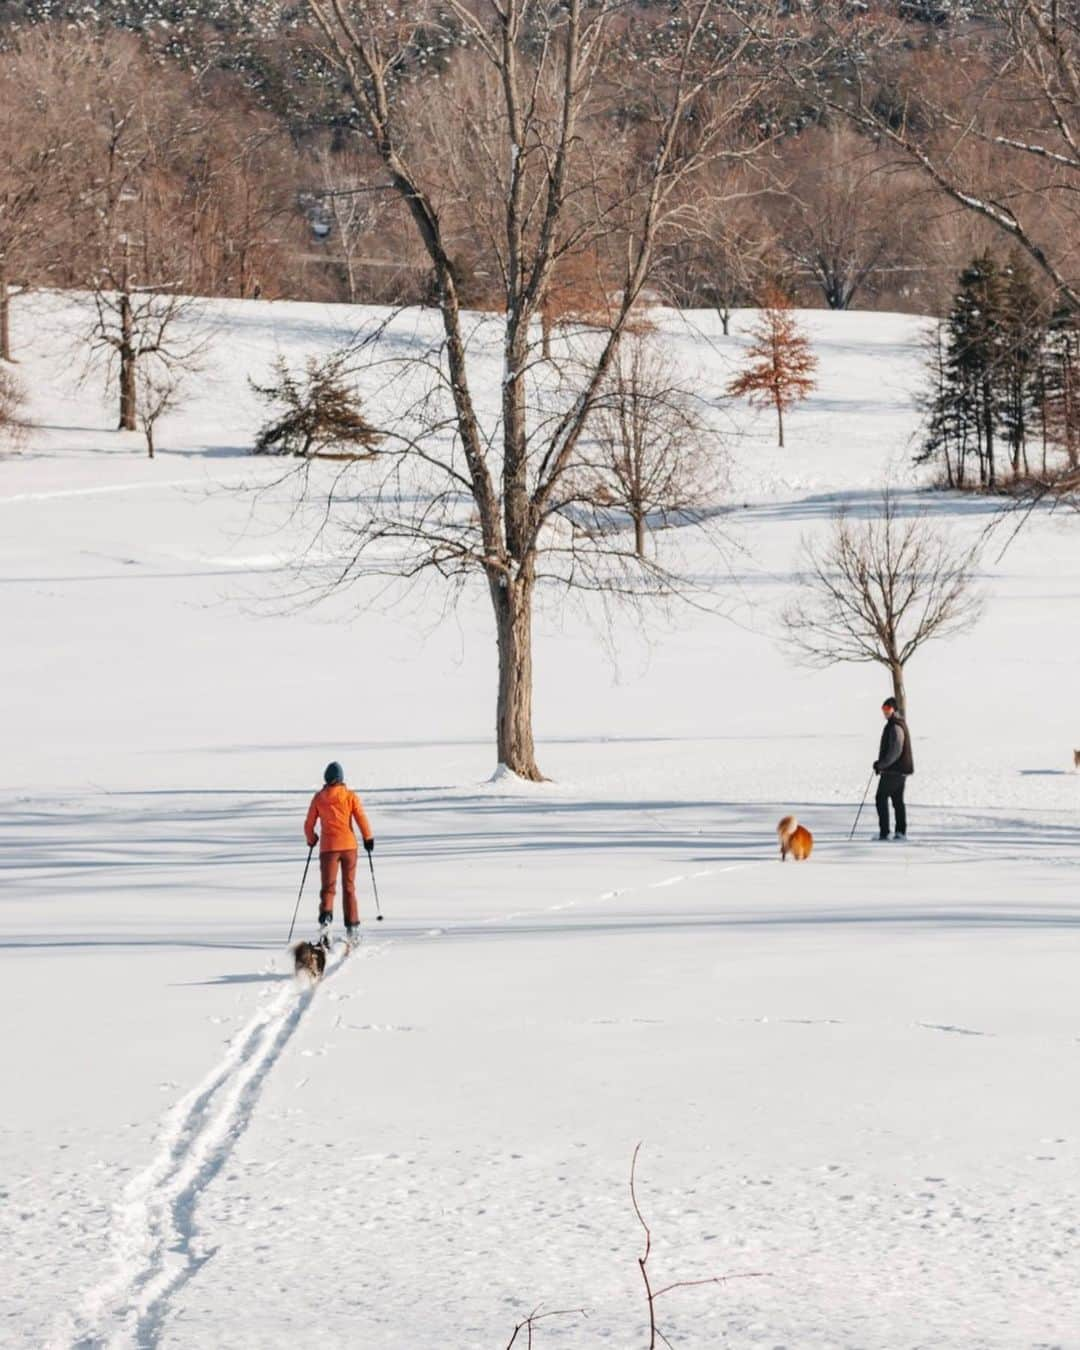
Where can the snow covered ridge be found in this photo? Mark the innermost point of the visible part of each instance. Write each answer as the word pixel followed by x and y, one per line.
pixel 851 1075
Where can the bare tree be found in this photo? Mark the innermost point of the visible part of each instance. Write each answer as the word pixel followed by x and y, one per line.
pixel 13 425
pixel 780 364
pixel 35 143
pixel 142 334
pixel 727 249
pixel 880 589
pixel 991 118
pixel 843 213
pixel 159 393
pixel 568 172
pixel 22 177
pixel 352 208
pixel 655 458
pixel 128 210
pixel 239 204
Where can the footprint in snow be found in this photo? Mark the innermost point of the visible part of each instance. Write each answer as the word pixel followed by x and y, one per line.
pixel 956 1031
pixel 377 1026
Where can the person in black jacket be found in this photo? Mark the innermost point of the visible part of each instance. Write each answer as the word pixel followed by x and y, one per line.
pixel 894 762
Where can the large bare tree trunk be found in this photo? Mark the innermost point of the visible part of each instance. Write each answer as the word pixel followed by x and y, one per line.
pixel 548 61
pixel 127 366
pixel 513 620
pixel 5 317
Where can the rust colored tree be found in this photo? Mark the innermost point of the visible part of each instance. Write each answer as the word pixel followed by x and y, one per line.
pixel 579 294
pixel 780 363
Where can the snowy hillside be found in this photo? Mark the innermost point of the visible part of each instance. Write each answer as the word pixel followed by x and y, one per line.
pixel 854 1079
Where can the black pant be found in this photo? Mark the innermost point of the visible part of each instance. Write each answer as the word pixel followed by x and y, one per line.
pixel 891 789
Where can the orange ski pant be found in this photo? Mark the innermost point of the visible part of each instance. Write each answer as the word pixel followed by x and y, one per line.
pixel 328 867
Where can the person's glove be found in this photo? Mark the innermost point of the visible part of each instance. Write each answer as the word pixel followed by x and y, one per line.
pixel 369 845
pixel 877 767
pixel 313 842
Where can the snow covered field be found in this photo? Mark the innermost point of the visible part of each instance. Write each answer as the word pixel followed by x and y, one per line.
pixel 854 1080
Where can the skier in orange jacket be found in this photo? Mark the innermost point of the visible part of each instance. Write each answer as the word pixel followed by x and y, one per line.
pixel 334 808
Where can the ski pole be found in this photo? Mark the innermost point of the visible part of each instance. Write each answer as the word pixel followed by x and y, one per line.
pixel 371 864
pixel 299 893
pixel 858 813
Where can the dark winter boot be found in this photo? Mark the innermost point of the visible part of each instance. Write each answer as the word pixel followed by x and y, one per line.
pixel 352 934
pixel 326 918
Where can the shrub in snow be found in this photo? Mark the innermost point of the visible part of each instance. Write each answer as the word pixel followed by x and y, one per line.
pixel 320 415
pixel 13 426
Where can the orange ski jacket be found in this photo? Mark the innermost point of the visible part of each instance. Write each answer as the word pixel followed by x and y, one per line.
pixel 335 807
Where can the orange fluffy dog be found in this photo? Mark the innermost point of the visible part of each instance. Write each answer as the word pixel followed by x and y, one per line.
pixel 795 839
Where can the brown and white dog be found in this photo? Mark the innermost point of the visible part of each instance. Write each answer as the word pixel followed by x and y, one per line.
pixel 309 958
pixel 795 839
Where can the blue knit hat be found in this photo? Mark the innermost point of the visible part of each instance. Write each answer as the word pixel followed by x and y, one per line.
pixel 333 773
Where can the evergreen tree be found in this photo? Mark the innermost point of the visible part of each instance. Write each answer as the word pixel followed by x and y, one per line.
pixel 320 414
pixel 989 373
pixel 1019 379
pixel 973 360
pixel 1060 385
pixel 946 429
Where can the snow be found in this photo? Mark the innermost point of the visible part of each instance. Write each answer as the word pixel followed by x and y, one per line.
pixel 853 1079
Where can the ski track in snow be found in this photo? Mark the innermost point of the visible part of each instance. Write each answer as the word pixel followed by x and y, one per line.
pixel 154 1229
pixel 97 491
pixel 609 895
pixel 155 1232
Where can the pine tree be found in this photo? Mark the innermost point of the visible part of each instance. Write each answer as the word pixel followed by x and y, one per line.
pixel 1019 378
pixel 973 360
pixel 946 435
pixel 1060 385
pixel 780 362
